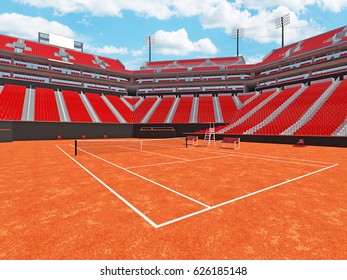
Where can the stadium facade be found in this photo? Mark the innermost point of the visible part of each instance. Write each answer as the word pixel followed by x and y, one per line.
pixel 299 90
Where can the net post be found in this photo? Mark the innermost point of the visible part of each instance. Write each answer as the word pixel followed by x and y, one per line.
pixel 186 141
pixel 75 147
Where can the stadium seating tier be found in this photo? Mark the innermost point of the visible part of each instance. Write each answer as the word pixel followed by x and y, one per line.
pixel 11 102
pixel 295 110
pixel 77 110
pixel 103 111
pixel 182 114
pixel 46 108
pixel 330 116
pixel 161 112
pixel 206 109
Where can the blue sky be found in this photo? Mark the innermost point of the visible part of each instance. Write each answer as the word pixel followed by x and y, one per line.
pixel 183 29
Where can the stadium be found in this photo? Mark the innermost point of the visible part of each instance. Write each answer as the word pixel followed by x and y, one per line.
pixel 207 158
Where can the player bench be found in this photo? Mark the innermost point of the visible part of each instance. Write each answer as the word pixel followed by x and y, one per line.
pixel 192 139
pixel 300 143
pixel 230 141
pixel 156 132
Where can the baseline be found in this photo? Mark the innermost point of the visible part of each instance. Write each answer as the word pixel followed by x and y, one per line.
pixel 137 211
pixel 243 197
pixel 146 179
pixel 269 158
pixel 173 162
pixel 207 207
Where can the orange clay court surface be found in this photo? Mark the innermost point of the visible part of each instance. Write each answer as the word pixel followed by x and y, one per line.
pixel 263 201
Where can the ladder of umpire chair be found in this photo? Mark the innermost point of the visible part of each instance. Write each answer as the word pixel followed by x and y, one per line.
pixel 210 135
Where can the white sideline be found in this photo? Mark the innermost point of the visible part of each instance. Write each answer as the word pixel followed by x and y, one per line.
pixel 266 157
pixel 112 191
pixel 207 207
pixel 148 152
pixel 146 179
pixel 242 197
pixel 173 162
pixel 271 158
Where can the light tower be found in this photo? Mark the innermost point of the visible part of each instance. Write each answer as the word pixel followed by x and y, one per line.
pixel 281 22
pixel 237 33
pixel 149 40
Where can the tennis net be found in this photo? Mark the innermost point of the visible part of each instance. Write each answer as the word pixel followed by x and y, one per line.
pixel 116 145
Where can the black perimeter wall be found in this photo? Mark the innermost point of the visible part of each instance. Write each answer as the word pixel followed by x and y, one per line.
pixel 22 130
pixel 51 130
pixel 6 131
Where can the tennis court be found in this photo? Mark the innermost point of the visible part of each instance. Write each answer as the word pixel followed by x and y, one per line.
pixel 158 199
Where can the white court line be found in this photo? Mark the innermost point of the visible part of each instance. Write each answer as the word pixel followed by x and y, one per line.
pixel 142 151
pixel 148 152
pixel 155 164
pixel 241 197
pixel 208 208
pixel 148 220
pixel 270 158
pixel 173 162
pixel 280 160
pixel 147 179
pixel 296 159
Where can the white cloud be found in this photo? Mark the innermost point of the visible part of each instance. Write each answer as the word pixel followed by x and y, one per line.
pixel 12 24
pixel 332 5
pixel 154 8
pixel 106 50
pixel 133 63
pixel 28 27
pixel 257 17
pixel 64 6
pixel 254 59
pixel 84 21
pixel 178 43
pixel 139 52
pixel 296 5
pixel 259 27
pixel 164 9
pixel 188 8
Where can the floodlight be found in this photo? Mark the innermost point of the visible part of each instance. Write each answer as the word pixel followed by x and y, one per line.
pixel 281 22
pixel 237 33
pixel 149 40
